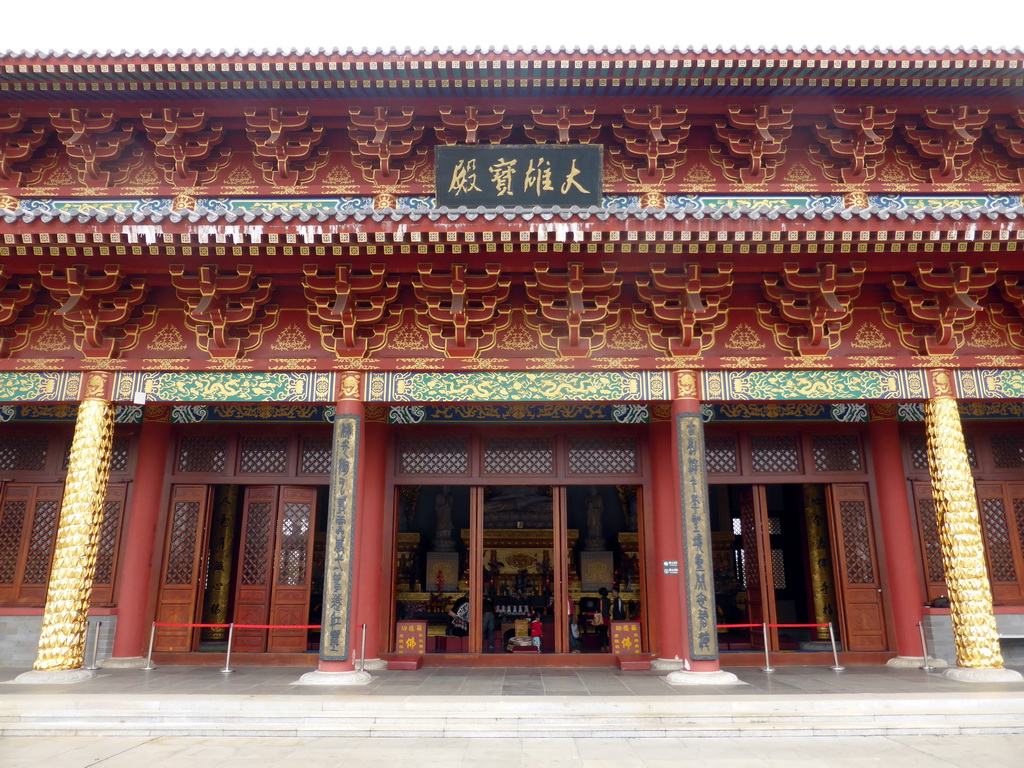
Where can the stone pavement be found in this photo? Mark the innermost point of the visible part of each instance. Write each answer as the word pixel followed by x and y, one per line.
pixel 1004 751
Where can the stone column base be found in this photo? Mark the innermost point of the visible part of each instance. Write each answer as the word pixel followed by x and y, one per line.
pixel 122 662
pixel 717 677
pixel 375 664
pixel 973 675
pixel 34 676
pixel 317 677
pixel 915 662
pixel 669 664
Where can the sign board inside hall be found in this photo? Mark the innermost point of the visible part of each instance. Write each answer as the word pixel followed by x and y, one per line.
pixel 529 175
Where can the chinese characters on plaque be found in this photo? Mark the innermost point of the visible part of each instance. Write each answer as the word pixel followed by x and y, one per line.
pixel 529 175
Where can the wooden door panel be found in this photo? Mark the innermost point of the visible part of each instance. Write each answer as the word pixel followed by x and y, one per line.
pixel 293 560
pixel 928 538
pixel 109 544
pixel 42 529
pixel 180 595
pixel 853 542
pixel 1002 546
pixel 758 604
pixel 253 586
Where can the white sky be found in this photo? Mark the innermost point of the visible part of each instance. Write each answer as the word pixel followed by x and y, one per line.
pixel 455 24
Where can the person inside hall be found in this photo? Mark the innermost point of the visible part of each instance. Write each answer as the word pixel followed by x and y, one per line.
pixel 488 622
pixel 618 607
pixel 575 646
pixel 536 630
pixel 458 624
pixel 605 612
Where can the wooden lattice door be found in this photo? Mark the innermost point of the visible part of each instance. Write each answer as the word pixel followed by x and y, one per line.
pixel 276 560
pixel 293 560
pixel 253 586
pixel 756 561
pixel 1001 508
pixel 29 516
pixel 179 597
pixel 928 537
pixel 860 584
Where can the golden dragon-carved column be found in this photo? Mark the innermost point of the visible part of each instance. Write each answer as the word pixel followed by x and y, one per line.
pixel 978 655
pixel 819 555
pixel 62 641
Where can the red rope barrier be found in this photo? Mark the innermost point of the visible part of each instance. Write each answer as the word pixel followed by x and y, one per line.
pixel 242 626
pixel 167 624
pixel 736 626
pixel 798 625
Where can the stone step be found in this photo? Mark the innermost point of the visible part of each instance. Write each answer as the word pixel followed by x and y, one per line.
pixel 481 716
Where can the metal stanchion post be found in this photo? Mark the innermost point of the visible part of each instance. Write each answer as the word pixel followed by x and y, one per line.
pixel 767 661
pixel 227 659
pixel 362 651
pixel 95 645
pixel 149 657
pixel 927 667
pixel 835 653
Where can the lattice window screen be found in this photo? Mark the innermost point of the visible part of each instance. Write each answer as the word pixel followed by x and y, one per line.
pixel 316 456
pixel 108 542
pixel 853 517
pixel 181 554
pixel 518 456
pixel 1008 450
pixel 433 456
pixel 258 521
pixel 775 453
pixel 997 540
pixel 202 454
pixel 837 453
pixel 11 525
pixel 263 456
pixel 721 454
pixel 23 453
pixel 119 451
pixel 40 543
pixel 603 456
pixel 778 569
pixel 291 566
pixel 932 547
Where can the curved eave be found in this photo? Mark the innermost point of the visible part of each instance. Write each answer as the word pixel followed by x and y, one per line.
pixel 506 73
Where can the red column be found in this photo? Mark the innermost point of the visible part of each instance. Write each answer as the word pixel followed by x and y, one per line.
pixel 131 637
pixel 348 405
pixel 370 561
pixel 667 544
pixel 687 404
pixel 898 534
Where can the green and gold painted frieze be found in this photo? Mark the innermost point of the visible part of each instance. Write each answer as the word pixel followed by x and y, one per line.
pixel 990 384
pixel 516 386
pixel 31 387
pixel 525 413
pixel 814 385
pixel 233 387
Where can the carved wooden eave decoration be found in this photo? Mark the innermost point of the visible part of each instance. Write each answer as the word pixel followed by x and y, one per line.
pixel 387 144
pixel 752 142
pixel 574 310
pixel 652 143
pixel 462 310
pixel 184 144
pixel 229 314
pixel 810 308
pixel 103 310
pixel 563 125
pixel 851 151
pixel 95 145
pixel 22 160
pixel 1007 156
pixel 942 142
pixel 353 311
pixel 286 145
pixel 19 316
pixel 1010 316
pixel 683 310
pixel 472 125
pixel 936 307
